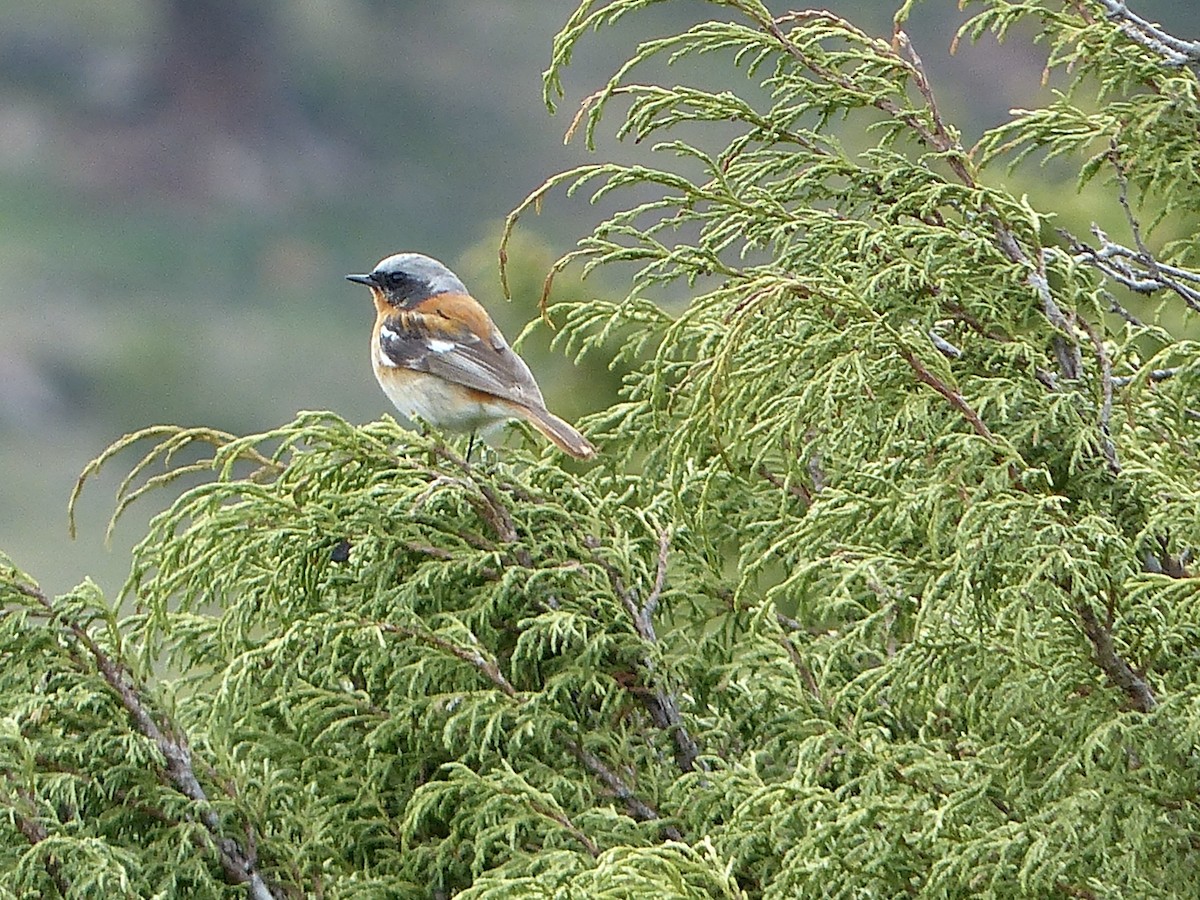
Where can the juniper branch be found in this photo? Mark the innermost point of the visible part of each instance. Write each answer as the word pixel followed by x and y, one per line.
pixel 644 619
pixel 563 821
pixel 662 706
pixel 936 134
pixel 802 668
pixel 1106 401
pixel 35 832
pixel 637 808
pixel 487 667
pixel 238 862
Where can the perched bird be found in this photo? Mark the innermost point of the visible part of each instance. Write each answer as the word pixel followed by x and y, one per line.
pixel 440 358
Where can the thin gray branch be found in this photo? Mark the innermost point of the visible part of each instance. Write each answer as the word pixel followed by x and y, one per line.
pixel 1110 250
pixel 1119 672
pixel 1135 227
pixel 659 703
pixel 1115 306
pixel 1137 270
pixel 1154 375
pixel 1174 51
pixel 1161 561
pixel 946 348
pixel 638 808
pixel 1066 348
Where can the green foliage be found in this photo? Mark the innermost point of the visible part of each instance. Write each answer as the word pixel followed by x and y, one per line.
pixel 879 587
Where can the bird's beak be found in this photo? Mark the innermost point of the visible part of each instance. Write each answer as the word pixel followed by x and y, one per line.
pixel 368 280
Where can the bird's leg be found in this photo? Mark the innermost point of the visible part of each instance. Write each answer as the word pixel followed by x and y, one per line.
pixel 470 447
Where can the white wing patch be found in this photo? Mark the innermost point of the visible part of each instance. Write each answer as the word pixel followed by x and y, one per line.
pixel 385 334
pixel 454 354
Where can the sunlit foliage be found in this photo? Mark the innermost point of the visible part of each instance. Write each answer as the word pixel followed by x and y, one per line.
pixel 880 586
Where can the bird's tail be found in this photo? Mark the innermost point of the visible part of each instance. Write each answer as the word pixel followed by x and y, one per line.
pixel 559 432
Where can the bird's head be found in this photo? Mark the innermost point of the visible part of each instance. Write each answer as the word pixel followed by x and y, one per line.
pixel 405 279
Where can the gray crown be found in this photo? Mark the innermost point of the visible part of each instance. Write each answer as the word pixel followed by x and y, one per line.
pixel 417 267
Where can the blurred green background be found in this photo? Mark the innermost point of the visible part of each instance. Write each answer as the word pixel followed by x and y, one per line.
pixel 184 183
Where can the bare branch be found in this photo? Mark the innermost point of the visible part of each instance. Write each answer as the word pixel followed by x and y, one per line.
pixel 1119 672
pixel 1066 348
pixel 1135 227
pixel 1048 379
pixel 1154 375
pixel 1114 305
pixel 1161 561
pixel 637 807
pixel 943 139
pixel 1136 270
pixel 663 709
pixel 1175 52
pixel 487 667
pixel 944 347
pixel 954 397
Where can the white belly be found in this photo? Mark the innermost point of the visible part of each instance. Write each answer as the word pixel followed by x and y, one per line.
pixel 441 404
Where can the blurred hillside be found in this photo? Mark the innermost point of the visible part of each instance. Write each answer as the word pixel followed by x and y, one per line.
pixel 185 182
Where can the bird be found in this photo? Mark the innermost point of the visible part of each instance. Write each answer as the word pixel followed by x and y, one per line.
pixel 440 358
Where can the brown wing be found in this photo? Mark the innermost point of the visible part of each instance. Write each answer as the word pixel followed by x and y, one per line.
pixel 454 352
